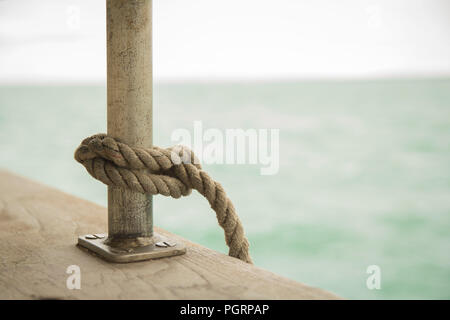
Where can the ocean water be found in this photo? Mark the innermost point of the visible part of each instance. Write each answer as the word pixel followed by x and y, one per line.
pixel 364 175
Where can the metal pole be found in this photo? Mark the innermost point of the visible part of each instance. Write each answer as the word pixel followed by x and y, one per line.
pixel 129 91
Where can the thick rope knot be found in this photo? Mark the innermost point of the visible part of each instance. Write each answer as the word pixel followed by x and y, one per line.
pixel 173 172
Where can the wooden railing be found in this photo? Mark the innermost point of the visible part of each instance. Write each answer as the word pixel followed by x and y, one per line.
pixel 39 227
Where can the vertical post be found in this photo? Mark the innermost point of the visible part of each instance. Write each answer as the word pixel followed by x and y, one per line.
pixel 129 96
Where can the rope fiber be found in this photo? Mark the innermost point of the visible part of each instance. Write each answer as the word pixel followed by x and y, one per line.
pixel 173 172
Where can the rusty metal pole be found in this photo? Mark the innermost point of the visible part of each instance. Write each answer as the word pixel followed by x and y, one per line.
pixel 129 95
pixel 129 91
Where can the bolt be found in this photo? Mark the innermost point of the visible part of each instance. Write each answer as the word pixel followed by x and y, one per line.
pixel 161 244
pixel 94 236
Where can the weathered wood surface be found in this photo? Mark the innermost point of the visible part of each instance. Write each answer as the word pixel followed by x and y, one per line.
pixel 38 232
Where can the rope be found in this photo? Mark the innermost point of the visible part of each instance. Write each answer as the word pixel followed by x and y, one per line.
pixel 173 172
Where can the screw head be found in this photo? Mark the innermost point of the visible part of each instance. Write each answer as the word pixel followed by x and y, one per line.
pixel 170 244
pixel 94 236
pixel 161 244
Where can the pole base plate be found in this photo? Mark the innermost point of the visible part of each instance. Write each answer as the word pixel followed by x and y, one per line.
pixel 161 247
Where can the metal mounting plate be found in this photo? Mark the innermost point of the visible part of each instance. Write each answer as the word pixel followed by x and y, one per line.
pixel 162 247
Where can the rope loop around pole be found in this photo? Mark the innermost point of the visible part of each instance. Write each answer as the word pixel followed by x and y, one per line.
pixel 172 172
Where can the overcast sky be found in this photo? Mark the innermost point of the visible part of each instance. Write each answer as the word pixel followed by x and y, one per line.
pixel 64 41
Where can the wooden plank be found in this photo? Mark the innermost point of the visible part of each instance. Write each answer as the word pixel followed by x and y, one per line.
pixel 38 232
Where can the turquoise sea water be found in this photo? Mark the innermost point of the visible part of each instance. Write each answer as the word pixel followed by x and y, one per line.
pixel 364 173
